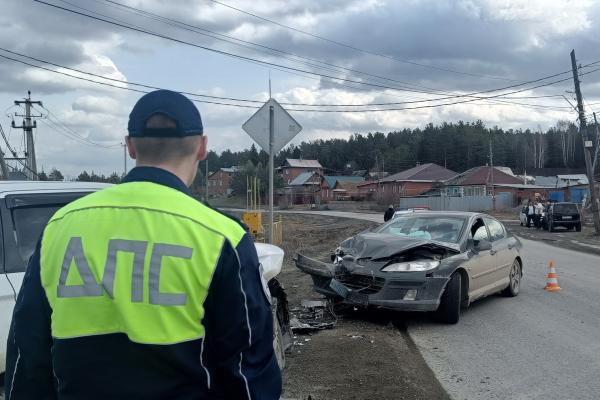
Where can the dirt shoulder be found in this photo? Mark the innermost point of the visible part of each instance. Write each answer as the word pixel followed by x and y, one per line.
pixel 368 354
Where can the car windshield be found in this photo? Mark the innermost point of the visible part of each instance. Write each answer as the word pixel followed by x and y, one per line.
pixel 566 208
pixel 439 228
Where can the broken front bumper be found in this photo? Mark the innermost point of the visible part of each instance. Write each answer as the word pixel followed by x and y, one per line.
pixel 405 291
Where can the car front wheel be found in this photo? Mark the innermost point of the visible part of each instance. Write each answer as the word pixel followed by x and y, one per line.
pixel 449 309
pixel 514 280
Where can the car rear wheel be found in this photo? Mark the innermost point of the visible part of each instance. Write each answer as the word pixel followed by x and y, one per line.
pixel 449 309
pixel 514 280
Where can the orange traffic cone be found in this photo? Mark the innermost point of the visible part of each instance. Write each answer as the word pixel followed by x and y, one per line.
pixel 552 281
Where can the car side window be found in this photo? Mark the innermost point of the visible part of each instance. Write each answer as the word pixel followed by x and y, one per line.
pixel 497 231
pixel 479 231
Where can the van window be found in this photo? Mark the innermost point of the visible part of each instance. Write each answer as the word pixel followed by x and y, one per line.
pixel 24 220
pixel 29 225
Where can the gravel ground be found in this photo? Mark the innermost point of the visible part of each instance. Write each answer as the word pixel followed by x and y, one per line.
pixel 368 354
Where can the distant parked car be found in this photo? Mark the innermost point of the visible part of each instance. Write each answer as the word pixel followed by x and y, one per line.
pixel 562 214
pixel 523 216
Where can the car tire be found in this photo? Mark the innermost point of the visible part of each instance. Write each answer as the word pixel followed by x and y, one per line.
pixel 514 280
pixel 578 227
pixel 278 345
pixel 449 309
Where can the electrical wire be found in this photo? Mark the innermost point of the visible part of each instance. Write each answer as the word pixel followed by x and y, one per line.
pixel 266 63
pixel 53 122
pixel 8 146
pixel 247 100
pixel 558 108
pixel 268 49
pixel 359 49
pixel 315 110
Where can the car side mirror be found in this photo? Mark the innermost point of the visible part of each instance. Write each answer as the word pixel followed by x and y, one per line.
pixel 482 245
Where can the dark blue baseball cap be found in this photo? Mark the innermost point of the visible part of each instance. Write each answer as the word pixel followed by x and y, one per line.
pixel 170 104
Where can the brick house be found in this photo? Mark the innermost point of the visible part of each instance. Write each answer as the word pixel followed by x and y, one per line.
pixel 416 180
pixel 292 168
pixel 478 182
pixel 219 182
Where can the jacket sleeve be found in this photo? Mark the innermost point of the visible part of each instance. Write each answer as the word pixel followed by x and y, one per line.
pixel 238 349
pixel 28 361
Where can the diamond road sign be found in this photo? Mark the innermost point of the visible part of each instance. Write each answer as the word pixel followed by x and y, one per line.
pixel 285 127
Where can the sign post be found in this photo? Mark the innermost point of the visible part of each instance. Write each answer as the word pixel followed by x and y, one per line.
pixel 272 128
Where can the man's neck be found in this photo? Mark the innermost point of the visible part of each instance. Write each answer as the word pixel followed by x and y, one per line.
pixel 178 171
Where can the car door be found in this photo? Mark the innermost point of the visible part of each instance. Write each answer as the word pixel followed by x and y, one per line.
pixel 503 254
pixel 480 265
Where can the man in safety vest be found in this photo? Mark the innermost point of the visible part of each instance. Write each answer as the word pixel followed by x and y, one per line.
pixel 139 291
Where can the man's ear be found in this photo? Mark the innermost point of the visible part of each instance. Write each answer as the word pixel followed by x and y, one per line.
pixel 203 148
pixel 130 147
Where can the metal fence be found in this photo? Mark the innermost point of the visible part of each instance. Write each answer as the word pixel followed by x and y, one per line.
pixel 465 203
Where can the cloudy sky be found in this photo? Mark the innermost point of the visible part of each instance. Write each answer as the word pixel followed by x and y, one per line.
pixel 340 52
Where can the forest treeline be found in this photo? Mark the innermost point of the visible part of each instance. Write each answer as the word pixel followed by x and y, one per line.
pixel 459 146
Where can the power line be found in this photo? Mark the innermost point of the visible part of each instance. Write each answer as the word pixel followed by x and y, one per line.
pixel 359 49
pixel 14 153
pixel 266 63
pixel 234 40
pixel 316 110
pixel 256 101
pixel 53 122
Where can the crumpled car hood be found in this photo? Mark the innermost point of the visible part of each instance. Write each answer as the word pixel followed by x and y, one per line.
pixel 379 245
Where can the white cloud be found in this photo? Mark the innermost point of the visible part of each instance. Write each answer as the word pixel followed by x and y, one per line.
pixel 518 39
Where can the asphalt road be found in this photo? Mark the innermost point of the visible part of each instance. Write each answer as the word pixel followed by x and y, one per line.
pixel 539 345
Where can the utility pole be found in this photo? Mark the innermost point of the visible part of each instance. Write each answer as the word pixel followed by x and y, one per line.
pixel 27 126
pixel 492 176
pixel 587 144
pixel 597 145
pixel 206 195
pixel 3 167
pixel 124 159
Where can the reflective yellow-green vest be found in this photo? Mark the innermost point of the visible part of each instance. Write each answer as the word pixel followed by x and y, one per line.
pixel 136 258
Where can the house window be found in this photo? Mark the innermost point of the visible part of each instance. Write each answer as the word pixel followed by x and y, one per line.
pixel 474 191
pixel 287 172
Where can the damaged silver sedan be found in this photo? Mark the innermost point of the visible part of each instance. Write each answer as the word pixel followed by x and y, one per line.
pixel 428 261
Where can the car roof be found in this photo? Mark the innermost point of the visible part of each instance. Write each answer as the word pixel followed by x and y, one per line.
pixel 445 213
pixel 11 187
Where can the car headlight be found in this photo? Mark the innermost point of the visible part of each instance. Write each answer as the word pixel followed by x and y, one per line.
pixel 412 266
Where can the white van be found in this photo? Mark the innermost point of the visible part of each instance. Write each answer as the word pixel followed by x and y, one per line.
pixel 25 208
